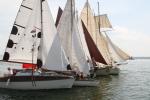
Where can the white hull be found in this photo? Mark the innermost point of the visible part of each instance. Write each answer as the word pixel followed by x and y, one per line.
pixel 114 71
pixel 102 71
pixel 51 84
pixel 90 83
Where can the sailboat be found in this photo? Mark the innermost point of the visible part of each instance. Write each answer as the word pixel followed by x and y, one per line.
pixel 118 56
pixel 88 19
pixel 71 39
pixel 34 43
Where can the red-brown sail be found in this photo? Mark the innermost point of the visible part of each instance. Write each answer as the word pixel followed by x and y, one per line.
pixel 94 52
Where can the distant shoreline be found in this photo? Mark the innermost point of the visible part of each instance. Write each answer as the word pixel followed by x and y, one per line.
pixel 141 57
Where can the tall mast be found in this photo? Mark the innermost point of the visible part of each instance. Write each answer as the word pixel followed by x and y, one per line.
pixel 42 17
pixel 87 13
pixel 71 28
pixel 99 22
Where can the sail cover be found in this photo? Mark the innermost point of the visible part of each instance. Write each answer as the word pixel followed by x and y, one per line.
pixel 69 35
pixel 24 39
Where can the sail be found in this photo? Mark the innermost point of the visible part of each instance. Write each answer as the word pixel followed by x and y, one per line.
pixel 94 52
pixel 121 54
pixel 69 35
pixel 60 11
pixel 112 48
pixel 104 21
pixel 24 38
pixel 98 38
pixel 51 54
pixel 88 19
pixel 83 40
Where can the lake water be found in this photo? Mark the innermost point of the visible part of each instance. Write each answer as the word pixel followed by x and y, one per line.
pixel 133 83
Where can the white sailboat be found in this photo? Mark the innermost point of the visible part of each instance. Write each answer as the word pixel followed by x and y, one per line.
pixel 71 40
pixel 34 42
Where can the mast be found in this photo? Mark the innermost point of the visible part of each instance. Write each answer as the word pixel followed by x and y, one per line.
pixel 71 29
pixel 99 23
pixel 87 13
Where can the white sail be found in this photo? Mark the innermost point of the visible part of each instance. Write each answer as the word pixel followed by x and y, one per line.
pixel 69 34
pixel 121 54
pixel 51 53
pixel 112 48
pixel 25 36
pixel 89 21
pixel 83 41
pixel 104 21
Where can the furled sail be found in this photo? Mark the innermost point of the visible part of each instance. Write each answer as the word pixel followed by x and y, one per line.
pixel 104 21
pixel 89 21
pixel 26 30
pixel 51 54
pixel 69 35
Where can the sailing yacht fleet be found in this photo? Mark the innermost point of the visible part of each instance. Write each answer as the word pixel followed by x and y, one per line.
pixel 70 52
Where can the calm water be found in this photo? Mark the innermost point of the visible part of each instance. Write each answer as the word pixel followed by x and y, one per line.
pixel 133 83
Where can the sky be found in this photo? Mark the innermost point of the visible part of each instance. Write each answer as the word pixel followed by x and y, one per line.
pixel 130 20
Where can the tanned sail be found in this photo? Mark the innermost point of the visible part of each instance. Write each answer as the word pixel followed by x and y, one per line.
pixel 104 21
pixel 98 38
pixel 94 52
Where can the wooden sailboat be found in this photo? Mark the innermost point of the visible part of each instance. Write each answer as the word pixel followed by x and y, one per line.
pixel 34 43
pixel 117 57
pixel 71 40
pixel 99 40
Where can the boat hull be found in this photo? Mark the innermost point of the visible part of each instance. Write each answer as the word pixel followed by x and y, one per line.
pixel 86 83
pixel 114 71
pixel 102 71
pixel 39 84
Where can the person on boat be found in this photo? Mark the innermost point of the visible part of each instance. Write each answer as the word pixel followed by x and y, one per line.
pixel 10 72
pixel 69 67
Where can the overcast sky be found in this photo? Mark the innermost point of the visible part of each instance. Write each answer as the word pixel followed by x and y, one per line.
pixel 130 20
